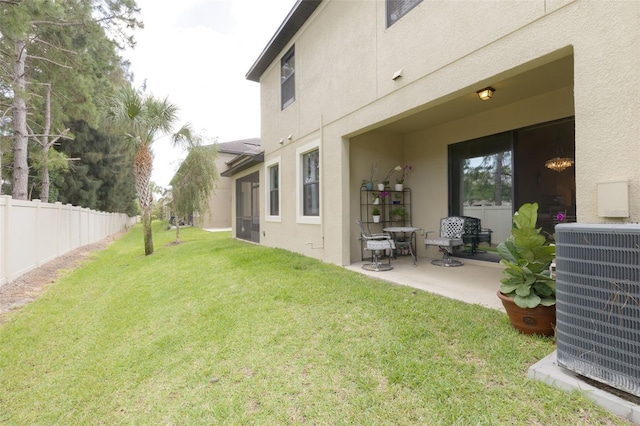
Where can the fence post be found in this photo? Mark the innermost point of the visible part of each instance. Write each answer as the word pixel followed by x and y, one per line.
pixel 5 271
pixel 38 228
pixel 58 230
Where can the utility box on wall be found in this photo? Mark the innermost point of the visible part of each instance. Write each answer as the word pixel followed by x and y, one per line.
pixel 613 198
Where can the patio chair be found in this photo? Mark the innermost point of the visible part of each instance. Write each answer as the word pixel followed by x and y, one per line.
pixel 451 231
pixel 474 234
pixel 378 244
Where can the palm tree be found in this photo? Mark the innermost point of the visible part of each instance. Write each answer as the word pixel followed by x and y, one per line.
pixel 144 119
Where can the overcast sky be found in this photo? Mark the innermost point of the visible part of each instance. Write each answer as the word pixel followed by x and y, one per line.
pixel 197 53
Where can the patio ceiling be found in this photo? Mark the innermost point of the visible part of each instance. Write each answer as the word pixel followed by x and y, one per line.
pixel 535 81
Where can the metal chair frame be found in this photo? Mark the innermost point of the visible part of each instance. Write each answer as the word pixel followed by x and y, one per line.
pixel 474 234
pixel 378 244
pixel 451 231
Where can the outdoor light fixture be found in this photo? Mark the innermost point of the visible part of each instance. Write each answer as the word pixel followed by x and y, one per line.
pixel 558 164
pixel 486 93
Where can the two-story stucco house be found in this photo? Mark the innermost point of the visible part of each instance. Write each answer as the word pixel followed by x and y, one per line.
pixel 347 85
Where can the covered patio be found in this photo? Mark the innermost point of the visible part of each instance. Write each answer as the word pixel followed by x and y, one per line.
pixel 475 282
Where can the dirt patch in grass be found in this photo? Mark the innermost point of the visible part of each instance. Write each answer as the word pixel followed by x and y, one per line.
pixel 28 287
pixel 622 394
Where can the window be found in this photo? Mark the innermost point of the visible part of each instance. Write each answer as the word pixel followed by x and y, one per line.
pixel 396 9
pixel 311 183
pixel 308 183
pixel 481 173
pixel 288 78
pixel 273 190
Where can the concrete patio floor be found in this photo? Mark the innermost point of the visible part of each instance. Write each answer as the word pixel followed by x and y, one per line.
pixel 474 282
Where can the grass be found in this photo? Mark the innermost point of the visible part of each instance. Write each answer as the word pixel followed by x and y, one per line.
pixel 216 331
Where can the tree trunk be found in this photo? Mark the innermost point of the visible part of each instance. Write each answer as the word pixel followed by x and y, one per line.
pixel 498 180
pixel 44 190
pixel 44 170
pixel 142 167
pixel 20 136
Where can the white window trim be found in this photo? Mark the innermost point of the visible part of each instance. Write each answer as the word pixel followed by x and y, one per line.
pixel 267 198
pixel 300 218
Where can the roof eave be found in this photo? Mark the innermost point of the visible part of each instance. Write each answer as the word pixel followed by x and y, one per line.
pixel 243 162
pixel 300 12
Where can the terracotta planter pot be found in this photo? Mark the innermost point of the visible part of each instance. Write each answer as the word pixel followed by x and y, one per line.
pixel 539 320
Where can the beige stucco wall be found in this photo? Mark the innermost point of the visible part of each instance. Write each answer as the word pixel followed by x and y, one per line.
pixel 345 58
pixel 219 215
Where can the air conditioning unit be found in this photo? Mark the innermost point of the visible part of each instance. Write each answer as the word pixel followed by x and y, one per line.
pixel 598 302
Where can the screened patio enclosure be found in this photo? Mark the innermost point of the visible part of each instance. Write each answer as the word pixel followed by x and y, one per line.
pixel 248 207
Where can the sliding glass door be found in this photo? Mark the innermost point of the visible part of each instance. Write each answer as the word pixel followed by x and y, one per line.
pixel 490 177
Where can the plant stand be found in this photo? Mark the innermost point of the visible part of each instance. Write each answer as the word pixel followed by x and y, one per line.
pixel 390 201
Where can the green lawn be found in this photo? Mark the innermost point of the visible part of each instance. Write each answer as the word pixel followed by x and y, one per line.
pixel 216 331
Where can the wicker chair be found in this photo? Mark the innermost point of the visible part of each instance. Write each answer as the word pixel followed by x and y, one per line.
pixel 378 244
pixel 451 231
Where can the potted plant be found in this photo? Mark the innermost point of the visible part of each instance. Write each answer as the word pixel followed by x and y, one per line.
pixel 385 180
pixel 528 292
pixel 368 183
pixel 399 213
pixel 376 215
pixel 406 170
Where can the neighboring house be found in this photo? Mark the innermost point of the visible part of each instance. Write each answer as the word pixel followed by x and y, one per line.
pixel 233 157
pixel 348 84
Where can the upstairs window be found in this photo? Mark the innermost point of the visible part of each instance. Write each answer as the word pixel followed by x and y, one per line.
pixel 396 9
pixel 288 78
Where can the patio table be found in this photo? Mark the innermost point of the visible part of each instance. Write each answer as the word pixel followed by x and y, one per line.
pixel 393 230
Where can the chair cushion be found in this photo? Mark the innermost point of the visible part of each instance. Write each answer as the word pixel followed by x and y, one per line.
pixel 449 242
pixel 380 244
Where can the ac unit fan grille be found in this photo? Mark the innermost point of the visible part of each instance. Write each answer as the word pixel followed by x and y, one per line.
pixel 598 302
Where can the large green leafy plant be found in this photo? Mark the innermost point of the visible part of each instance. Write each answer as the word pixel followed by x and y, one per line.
pixel 527 255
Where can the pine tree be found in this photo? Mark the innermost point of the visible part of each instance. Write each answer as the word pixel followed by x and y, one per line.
pixel 60 44
pixel 100 175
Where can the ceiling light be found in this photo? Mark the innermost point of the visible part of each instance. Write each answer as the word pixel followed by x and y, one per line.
pixel 486 93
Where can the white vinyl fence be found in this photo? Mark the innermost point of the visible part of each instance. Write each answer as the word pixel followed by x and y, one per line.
pixel 496 218
pixel 32 233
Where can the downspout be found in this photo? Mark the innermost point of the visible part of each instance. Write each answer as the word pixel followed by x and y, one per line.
pixel 322 168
